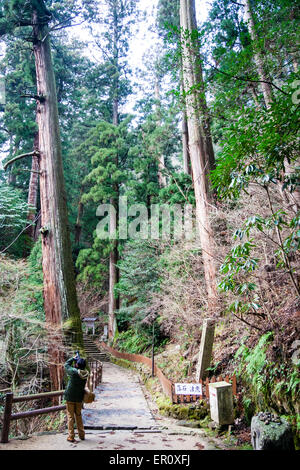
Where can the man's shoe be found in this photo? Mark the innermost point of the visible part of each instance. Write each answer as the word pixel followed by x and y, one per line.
pixel 82 438
pixel 71 440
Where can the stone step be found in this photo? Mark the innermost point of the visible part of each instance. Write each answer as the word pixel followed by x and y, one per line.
pixel 98 358
pixel 97 355
pixel 90 345
pixel 92 350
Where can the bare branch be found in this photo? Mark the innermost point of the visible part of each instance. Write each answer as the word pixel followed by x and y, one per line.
pixel 39 98
pixel 247 79
pixel 236 3
pixel 35 153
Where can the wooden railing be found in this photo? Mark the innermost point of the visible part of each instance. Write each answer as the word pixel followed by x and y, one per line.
pixel 95 378
pixel 167 385
pixel 205 389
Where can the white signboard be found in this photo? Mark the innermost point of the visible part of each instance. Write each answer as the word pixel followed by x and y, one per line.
pixel 188 389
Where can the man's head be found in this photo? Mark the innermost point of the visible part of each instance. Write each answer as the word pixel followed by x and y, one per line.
pixel 80 364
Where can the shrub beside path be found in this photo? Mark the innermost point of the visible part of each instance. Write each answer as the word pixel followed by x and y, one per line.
pixel 121 418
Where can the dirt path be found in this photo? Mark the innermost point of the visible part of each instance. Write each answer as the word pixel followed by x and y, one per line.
pixel 121 418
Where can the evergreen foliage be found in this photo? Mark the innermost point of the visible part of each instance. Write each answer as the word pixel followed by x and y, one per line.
pixel 13 220
pixel 108 153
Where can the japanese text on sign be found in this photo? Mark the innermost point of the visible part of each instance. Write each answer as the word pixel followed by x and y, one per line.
pixel 188 389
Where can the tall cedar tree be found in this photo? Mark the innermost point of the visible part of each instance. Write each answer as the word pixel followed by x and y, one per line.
pixel 60 300
pixel 200 158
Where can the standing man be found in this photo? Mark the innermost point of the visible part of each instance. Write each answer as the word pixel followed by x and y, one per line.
pixel 74 392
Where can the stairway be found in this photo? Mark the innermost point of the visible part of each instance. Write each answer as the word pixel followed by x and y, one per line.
pixel 92 350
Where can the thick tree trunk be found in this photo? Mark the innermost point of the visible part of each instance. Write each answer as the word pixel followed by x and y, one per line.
pixel 78 225
pixel 33 189
pixel 60 299
pixel 198 154
pixel 114 254
pixel 185 146
pixel 191 65
pixel 113 304
pixel 37 227
pixel 113 279
pixel 113 301
pixel 204 113
pixel 184 129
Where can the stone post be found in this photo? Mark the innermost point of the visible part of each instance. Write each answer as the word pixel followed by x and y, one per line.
pixel 105 331
pixel 205 352
pixel 221 402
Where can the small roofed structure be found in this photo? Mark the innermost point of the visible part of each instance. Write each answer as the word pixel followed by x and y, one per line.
pixel 90 323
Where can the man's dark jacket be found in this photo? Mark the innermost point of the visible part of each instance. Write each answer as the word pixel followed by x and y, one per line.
pixel 76 383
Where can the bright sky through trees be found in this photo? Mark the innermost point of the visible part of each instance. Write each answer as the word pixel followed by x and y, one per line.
pixel 144 41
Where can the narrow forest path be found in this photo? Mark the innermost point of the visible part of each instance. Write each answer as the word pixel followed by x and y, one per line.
pixel 123 417
pixel 120 402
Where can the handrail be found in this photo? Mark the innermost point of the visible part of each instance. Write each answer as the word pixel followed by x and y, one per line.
pixel 95 378
pixel 21 398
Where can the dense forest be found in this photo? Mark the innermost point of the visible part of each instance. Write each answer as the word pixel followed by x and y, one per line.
pixel 150 178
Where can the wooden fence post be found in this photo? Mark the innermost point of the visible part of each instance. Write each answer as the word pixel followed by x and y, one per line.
pixel 99 373
pixel 206 387
pixel 7 415
pixel 234 385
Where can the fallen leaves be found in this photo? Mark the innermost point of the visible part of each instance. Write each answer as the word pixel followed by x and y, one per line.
pixel 199 445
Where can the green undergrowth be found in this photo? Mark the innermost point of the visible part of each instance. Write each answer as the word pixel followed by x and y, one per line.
pixel 137 342
pixel 268 385
pixel 132 342
pixel 183 411
pixel 122 362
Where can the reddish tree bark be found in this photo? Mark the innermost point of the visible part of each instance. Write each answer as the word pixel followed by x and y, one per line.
pixel 60 299
pixel 33 189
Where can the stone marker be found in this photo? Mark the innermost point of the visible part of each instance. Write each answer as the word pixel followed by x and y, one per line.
pixel 221 402
pixel 205 352
pixel 105 333
pixel 269 433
